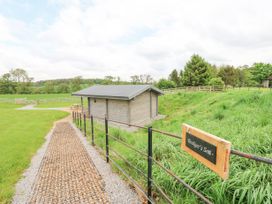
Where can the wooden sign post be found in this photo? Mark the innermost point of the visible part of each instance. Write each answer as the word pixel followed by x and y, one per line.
pixel 210 150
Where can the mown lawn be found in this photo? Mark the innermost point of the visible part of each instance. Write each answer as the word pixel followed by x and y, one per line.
pixel 243 117
pixel 21 134
pixel 43 100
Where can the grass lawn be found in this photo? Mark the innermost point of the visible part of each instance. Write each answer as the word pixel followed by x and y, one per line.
pixel 44 100
pixel 243 117
pixel 21 134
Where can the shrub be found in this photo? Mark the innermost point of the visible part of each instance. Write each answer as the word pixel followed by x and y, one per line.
pixel 216 82
pixel 165 84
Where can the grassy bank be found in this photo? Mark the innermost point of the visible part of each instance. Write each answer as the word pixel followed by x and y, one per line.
pixel 243 117
pixel 21 134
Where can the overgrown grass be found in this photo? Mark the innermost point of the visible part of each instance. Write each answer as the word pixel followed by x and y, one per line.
pixel 21 134
pixel 242 117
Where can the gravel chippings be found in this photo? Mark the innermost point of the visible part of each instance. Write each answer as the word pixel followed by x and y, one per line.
pixel 67 173
pixel 23 187
pixel 117 190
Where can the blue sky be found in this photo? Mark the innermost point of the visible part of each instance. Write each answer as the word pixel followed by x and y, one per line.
pixel 30 11
pixel 67 38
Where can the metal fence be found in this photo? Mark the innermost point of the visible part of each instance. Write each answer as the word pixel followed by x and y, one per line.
pixel 80 119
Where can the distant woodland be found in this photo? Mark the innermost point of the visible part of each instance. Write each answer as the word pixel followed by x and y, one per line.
pixel 196 72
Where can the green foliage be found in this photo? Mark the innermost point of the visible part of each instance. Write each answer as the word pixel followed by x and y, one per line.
pixel 229 75
pixel 16 81
pixel 63 88
pixel 49 87
pixel 196 72
pixel 22 133
pixel 216 82
pixel 24 88
pixel 75 83
pixel 7 86
pixel 225 114
pixel 174 76
pixel 165 84
pixel 261 71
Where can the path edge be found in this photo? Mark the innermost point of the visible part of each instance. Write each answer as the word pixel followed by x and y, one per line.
pixel 23 188
pixel 117 190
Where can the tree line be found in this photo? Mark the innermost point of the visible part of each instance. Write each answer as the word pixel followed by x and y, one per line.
pixel 17 81
pixel 196 72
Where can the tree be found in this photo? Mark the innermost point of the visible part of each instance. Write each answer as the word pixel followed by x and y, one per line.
pixel 181 73
pixel 109 79
pixel 118 80
pixel 24 88
pixel 261 71
pixel 229 75
pixel 174 76
pixel 196 72
pixel 49 87
pixel 19 75
pixel 7 86
pixel 216 82
pixel 247 79
pixel 213 70
pixel 135 79
pixel 146 79
pixel 62 88
pixel 22 80
pixel 75 83
pixel 165 84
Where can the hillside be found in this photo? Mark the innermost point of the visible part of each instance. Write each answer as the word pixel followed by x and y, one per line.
pixel 243 117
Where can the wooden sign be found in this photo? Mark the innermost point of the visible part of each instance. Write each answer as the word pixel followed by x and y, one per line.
pixel 210 150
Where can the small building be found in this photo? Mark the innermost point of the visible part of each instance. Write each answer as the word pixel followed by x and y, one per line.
pixel 267 82
pixel 133 104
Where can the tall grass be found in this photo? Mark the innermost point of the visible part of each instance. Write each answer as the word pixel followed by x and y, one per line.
pixel 242 117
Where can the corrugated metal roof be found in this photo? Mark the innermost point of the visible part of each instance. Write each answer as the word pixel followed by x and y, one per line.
pixel 122 92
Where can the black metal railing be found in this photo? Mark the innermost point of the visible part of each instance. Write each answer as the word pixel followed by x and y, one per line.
pixel 150 183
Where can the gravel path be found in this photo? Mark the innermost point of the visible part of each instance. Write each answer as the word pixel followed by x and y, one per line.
pixel 67 169
pixel 32 107
pixel 67 174
pixel 23 187
pixel 117 190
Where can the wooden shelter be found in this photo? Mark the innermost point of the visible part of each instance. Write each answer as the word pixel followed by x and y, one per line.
pixel 135 104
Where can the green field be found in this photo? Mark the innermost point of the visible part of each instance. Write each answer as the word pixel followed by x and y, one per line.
pixel 243 117
pixel 43 100
pixel 21 134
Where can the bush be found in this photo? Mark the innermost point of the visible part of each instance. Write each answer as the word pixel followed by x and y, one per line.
pixel 216 82
pixel 165 84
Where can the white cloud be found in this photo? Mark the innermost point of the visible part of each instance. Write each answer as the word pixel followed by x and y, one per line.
pixel 124 38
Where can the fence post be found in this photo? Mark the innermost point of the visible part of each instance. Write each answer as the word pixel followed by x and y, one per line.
pixel 84 119
pixel 107 139
pixel 80 121
pixel 77 122
pixel 149 170
pixel 92 130
pixel 73 118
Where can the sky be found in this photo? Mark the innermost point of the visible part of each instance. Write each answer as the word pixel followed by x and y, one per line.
pixel 94 38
